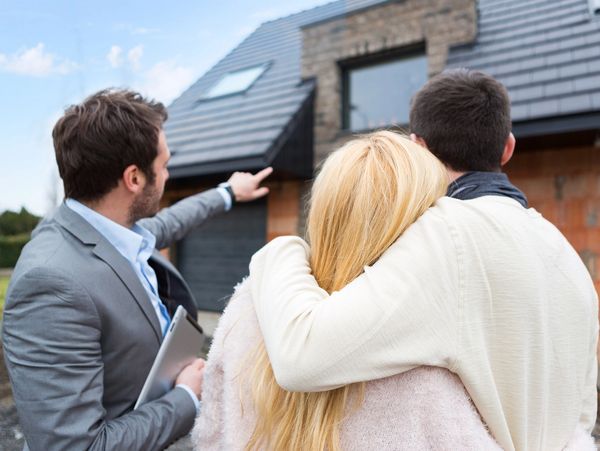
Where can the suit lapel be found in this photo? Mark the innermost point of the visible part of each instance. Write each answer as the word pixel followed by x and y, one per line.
pixel 87 234
pixel 125 272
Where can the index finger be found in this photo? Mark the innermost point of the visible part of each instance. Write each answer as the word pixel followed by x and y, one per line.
pixel 261 175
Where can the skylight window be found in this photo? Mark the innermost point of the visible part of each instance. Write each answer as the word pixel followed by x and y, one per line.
pixel 234 82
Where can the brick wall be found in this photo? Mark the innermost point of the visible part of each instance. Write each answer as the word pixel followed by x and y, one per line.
pixel 564 185
pixel 391 26
pixel 283 208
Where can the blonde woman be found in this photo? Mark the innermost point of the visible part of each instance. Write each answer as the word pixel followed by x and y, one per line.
pixel 365 196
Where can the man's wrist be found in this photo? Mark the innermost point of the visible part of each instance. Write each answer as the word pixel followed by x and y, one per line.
pixel 224 193
pixel 192 395
pixel 227 187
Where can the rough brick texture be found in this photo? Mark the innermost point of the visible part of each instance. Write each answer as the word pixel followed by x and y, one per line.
pixel 390 26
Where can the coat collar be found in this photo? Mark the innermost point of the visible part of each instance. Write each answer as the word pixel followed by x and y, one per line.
pixel 88 235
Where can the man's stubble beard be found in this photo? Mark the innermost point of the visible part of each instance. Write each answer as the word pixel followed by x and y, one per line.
pixel 146 204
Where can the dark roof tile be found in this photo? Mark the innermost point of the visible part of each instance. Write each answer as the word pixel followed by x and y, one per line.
pixel 526 93
pixel 594 66
pixel 571 70
pixel 591 51
pixel 528 45
pixel 546 52
pixel 544 74
pixel 556 88
pixel 544 108
pixel 202 131
pixel 519 111
pixel 589 83
pixel 575 104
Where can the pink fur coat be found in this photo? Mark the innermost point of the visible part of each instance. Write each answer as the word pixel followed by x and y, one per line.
pixel 423 409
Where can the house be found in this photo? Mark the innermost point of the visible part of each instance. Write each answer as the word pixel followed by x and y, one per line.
pixel 300 86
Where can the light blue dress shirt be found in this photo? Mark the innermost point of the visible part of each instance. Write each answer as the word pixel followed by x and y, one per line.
pixel 226 197
pixel 136 245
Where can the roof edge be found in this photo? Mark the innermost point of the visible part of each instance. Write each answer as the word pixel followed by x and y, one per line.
pixel 572 123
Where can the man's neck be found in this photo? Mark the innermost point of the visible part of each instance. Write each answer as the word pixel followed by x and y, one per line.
pixel 111 208
pixel 453 175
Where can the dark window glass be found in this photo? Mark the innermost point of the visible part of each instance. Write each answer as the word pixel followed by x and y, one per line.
pixel 379 95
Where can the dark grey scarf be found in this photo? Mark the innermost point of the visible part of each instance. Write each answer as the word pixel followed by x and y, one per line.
pixel 477 184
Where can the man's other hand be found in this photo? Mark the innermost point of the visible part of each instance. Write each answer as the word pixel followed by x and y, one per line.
pixel 192 376
pixel 246 186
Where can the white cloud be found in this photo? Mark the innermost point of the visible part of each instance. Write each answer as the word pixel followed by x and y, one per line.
pixel 114 56
pixel 135 55
pixel 35 62
pixel 165 81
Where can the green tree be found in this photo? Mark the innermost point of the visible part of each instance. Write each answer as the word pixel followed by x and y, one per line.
pixel 13 223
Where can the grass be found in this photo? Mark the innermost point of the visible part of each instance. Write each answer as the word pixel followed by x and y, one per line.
pixel 3 285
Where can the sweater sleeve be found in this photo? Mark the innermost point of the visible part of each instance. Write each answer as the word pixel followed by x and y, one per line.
pixel 402 312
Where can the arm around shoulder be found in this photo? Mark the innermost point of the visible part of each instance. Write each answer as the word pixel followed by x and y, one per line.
pixel 402 312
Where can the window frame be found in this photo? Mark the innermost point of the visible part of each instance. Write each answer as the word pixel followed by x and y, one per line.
pixel 364 61
pixel 264 66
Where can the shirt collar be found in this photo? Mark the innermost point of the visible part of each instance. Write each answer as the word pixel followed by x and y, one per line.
pixel 133 243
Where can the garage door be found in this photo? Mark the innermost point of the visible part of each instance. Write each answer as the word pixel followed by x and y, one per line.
pixel 215 257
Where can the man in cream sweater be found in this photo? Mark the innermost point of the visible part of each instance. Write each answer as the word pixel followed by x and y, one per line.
pixel 480 284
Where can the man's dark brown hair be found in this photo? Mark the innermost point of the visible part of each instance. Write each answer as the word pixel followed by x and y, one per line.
pixel 464 117
pixel 95 141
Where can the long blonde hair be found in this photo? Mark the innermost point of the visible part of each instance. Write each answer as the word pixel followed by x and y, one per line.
pixel 366 194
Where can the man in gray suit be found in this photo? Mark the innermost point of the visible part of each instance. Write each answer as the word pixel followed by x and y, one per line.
pixel 90 297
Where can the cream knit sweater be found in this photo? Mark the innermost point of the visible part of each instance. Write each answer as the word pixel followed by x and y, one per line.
pixel 485 288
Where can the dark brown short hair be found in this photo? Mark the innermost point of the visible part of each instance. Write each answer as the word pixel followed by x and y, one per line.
pixel 464 117
pixel 95 141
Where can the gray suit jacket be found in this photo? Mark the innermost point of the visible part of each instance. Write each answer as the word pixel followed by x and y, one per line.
pixel 80 335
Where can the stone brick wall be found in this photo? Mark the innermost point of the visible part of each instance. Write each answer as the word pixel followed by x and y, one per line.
pixel 437 24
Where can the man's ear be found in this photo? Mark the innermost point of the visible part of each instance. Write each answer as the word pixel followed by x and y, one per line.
pixel 509 149
pixel 133 179
pixel 417 139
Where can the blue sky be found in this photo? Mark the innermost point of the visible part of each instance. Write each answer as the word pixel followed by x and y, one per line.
pixel 53 54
